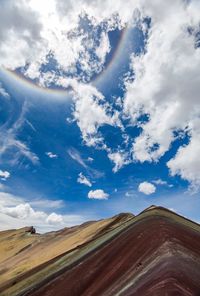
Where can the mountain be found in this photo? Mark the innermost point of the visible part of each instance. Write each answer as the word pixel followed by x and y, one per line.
pixel 154 253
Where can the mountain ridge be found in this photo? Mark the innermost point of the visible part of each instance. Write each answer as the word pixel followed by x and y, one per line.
pixel 129 250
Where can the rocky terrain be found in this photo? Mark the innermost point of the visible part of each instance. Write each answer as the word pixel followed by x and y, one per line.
pixel 154 253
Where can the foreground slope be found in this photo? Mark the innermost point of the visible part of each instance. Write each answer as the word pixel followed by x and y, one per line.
pixel 155 253
pixel 24 253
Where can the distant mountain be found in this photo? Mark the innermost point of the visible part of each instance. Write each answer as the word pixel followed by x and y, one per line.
pixel 154 253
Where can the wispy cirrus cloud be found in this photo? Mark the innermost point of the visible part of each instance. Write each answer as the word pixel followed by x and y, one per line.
pixel 47 203
pixel 76 156
pixel 9 141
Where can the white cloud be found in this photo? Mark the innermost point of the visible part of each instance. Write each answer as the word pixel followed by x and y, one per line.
pixel 22 150
pixel 43 24
pixel 98 194
pixel 51 155
pixel 54 218
pixel 4 175
pixel 166 85
pixel 16 212
pixel 16 207
pixel 169 70
pixel 91 112
pixel 41 225
pixel 90 159
pixel 160 182
pixel 119 158
pixel 47 203
pixel 75 155
pixel 146 188
pixel 100 10
pixel 84 180
pixel 186 162
pixel 104 47
pixel 22 211
pixel 30 125
pixel 20 28
pixel 3 92
pixel 10 142
pixel 9 200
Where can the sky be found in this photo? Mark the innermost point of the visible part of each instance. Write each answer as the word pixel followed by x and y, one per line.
pixel 99 110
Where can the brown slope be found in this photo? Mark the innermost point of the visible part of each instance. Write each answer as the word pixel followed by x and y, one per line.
pixel 49 247
pixel 13 241
pixel 158 253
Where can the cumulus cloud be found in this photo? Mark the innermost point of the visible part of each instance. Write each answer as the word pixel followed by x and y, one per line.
pixel 16 212
pixel 169 71
pixel 22 211
pixel 91 112
pixel 25 211
pixel 104 47
pixel 16 207
pixel 84 180
pixel 146 188
pixel 40 32
pixel 119 159
pixel 99 10
pixel 186 162
pixel 97 194
pixel 20 27
pixel 54 218
pixel 4 175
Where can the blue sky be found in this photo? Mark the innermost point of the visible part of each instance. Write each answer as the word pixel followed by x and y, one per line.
pixel 99 111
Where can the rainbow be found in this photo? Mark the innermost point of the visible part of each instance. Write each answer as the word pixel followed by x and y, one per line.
pixel 19 78
pixel 25 82
pixel 116 54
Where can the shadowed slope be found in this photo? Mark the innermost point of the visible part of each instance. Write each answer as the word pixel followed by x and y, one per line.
pixel 155 253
